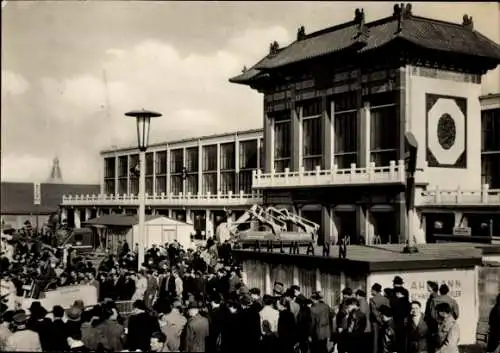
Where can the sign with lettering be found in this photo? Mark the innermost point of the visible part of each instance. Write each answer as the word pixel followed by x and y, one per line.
pixel 37 194
pixel 464 231
pixel 66 296
pixel 463 287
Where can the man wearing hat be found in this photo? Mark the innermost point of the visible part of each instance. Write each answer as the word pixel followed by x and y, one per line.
pixel 376 302
pixel 321 317
pixel 196 330
pixel 388 341
pixel 174 323
pixel 40 324
pixel 398 283
pixel 23 339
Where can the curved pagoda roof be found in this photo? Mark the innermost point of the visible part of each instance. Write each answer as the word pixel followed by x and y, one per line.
pixel 358 37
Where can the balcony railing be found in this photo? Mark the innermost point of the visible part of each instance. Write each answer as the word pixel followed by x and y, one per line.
pixel 392 174
pixel 457 197
pixel 179 200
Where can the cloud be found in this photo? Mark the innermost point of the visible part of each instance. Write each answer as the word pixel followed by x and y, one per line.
pixel 13 83
pixel 85 113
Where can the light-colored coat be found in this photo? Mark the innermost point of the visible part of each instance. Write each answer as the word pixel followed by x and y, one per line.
pixel 23 341
pixel 449 336
pixel 173 324
pixel 141 285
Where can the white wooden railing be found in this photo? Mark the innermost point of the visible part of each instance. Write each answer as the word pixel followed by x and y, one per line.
pixel 393 173
pixel 207 199
pixel 485 196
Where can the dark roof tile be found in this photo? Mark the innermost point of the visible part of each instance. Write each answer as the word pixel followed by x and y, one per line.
pixel 17 198
pixel 423 32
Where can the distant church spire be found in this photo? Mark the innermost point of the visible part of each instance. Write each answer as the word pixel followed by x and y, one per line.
pixel 55 173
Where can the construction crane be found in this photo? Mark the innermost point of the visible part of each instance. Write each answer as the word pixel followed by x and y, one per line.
pixel 303 223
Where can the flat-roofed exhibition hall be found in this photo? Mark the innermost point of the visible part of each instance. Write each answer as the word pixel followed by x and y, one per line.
pixel 337 105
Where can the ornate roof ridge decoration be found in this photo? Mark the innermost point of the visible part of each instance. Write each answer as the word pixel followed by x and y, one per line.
pixel 55 172
pixel 301 33
pixel 467 22
pixel 363 30
pixel 402 12
pixel 274 48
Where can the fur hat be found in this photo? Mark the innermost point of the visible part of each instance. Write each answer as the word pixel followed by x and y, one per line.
pixel 74 313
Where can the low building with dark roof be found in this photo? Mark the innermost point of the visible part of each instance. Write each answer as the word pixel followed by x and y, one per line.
pixel 35 202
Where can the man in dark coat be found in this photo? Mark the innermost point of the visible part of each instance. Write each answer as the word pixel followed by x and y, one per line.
pixel 59 336
pixel 341 321
pixel 401 312
pixel 196 330
pixel 356 326
pixel 388 342
pixel 217 316
pixel 376 302
pixel 141 326
pixel 40 324
pixel 321 316
pixel 416 331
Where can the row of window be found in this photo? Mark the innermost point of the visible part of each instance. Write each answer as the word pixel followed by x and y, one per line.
pixel 384 139
pixel 229 182
pixel 188 159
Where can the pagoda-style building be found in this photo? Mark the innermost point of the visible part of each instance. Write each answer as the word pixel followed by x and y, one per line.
pixel 337 105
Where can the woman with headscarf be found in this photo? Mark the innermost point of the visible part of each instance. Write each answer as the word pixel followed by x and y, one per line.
pixel 494 324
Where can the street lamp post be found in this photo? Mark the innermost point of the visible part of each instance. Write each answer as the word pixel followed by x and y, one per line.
pixel 143 120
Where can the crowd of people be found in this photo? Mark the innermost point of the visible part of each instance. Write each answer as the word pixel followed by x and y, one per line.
pixel 195 300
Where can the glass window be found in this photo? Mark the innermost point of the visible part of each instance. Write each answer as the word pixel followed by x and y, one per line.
pixel 282 146
pixel 311 108
pixel 176 161
pixel 192 160
pixel 149 185
pixel 133 162
pixel 227 158
pixel 134 185
pixel 210 158
pixel 384 135
pixel 161 184
pixel 228 182
pixel 245 181
pixel 490 120
pixel 346 139
pixel 122 186
pixel 312 143
pixel 161 163
pixel 109 186
pixel 248 154
pixel 192 183
pixel 176 184
pixel 122 166
pixel 490 169
pixel 210 183
pixel 109 167
pixel 149 163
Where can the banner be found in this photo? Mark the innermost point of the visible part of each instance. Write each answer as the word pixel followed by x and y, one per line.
pixel 65 297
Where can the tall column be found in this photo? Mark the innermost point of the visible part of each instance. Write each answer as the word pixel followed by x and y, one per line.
pixel 236 164
pixel 328 131
pixel 142 208
pixel 259 166
pixel 200 167
pixel 209 225
pixel 296 137
pixel 170 213
pixel 155 155
pixel 335 223
pixel 116 175
pixel 101 176
pixel 128 174
pixel 402 226
pixel 88 214
pixel 189 216
pixel 401 107
pixel 64 214
pixel 361 223
pixel 326 225
pixel 169 160
pixel 218 168
pixel 77 218
pixel 364 135
pixel 268 144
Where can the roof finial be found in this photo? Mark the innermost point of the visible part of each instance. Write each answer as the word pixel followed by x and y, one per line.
pixel 244 69
pixel 55 173
pixel 359 15
pixel 301 33
pixel 467 22
pixel 273 48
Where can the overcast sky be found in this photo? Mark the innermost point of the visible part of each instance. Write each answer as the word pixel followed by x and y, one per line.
pixel 172 57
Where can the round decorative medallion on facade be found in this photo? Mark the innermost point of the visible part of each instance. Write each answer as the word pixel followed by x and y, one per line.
pixel 446 131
